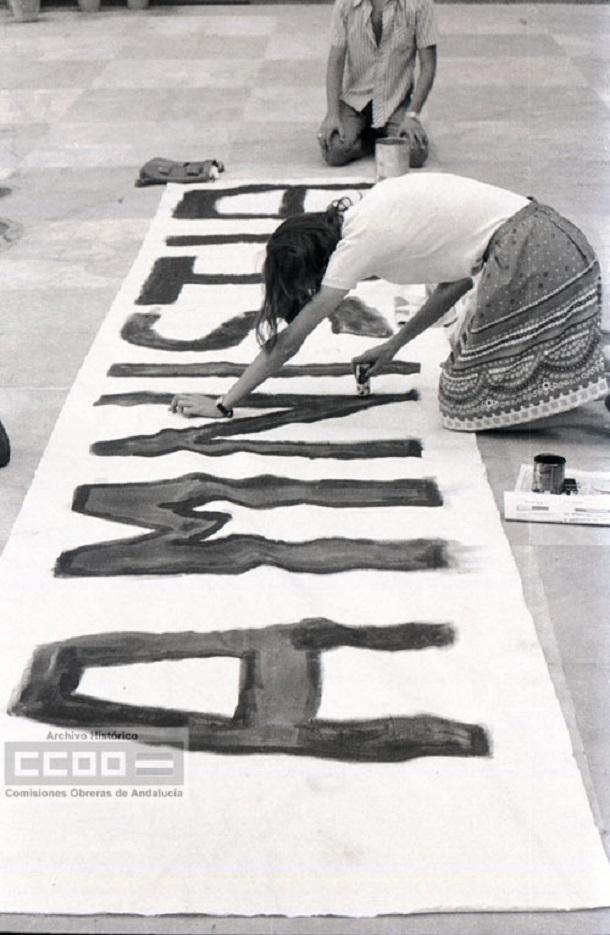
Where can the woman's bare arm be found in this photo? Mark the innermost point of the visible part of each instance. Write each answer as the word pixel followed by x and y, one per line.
pixel 442 299
pixel 269 361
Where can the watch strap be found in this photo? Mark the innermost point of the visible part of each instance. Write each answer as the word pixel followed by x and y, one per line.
pixel 224 410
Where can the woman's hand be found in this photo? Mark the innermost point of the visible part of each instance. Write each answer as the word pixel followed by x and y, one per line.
pixel 194 404
pixel 376 358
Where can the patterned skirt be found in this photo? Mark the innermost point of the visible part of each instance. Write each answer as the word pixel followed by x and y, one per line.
pixel 532 346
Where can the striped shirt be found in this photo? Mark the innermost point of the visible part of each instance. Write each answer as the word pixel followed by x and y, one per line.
pixel 381 73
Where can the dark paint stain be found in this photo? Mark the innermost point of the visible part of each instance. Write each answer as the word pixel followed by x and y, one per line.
pixel 178 545
pixel 340 451
pixel 280 692
pixel 139 329
pixel 353 316
pixel 291 408
pixel 224 368
pixel 10 231
pixel 170 273
pixel 200 204
pixel 212 240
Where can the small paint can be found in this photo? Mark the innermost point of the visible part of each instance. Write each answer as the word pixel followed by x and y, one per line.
pixel 392 157
pixel 549 473
pixel 363 383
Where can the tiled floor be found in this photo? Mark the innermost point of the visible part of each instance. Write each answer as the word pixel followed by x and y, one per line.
pixel 522 100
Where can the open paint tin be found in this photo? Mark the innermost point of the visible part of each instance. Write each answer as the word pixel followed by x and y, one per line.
pixel 549 473
pixel 392 157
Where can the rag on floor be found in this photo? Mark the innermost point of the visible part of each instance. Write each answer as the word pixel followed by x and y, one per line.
pixel 159 171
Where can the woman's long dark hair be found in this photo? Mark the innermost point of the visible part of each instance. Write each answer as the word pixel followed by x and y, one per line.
pixel 297 256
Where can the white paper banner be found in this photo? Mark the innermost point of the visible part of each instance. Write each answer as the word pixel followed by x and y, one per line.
pixel 318 592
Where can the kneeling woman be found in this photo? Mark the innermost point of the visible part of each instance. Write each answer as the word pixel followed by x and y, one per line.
pixel 531 345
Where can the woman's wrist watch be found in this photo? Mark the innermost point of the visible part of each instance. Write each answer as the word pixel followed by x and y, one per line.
pixel 414 114
pixel 223 410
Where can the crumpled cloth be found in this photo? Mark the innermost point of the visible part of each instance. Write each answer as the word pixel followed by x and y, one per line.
pixel 159 171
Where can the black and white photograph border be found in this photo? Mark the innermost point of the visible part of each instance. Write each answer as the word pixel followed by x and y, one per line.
pixel 89 94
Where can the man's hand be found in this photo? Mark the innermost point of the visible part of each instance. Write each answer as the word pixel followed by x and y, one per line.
pixel 376 358
pixel 411 128
pixel 329 126
pixel 194 404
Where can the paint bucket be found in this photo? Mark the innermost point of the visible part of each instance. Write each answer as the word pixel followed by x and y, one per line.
pixel 392 157
pixel 25 11
pixel 549 473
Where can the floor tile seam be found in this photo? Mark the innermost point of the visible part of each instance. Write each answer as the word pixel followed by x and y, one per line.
pixel 52 387
pixel 73 213
pixel 60 332
pixel 587 664
pixel 72 103
pixel 43 291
